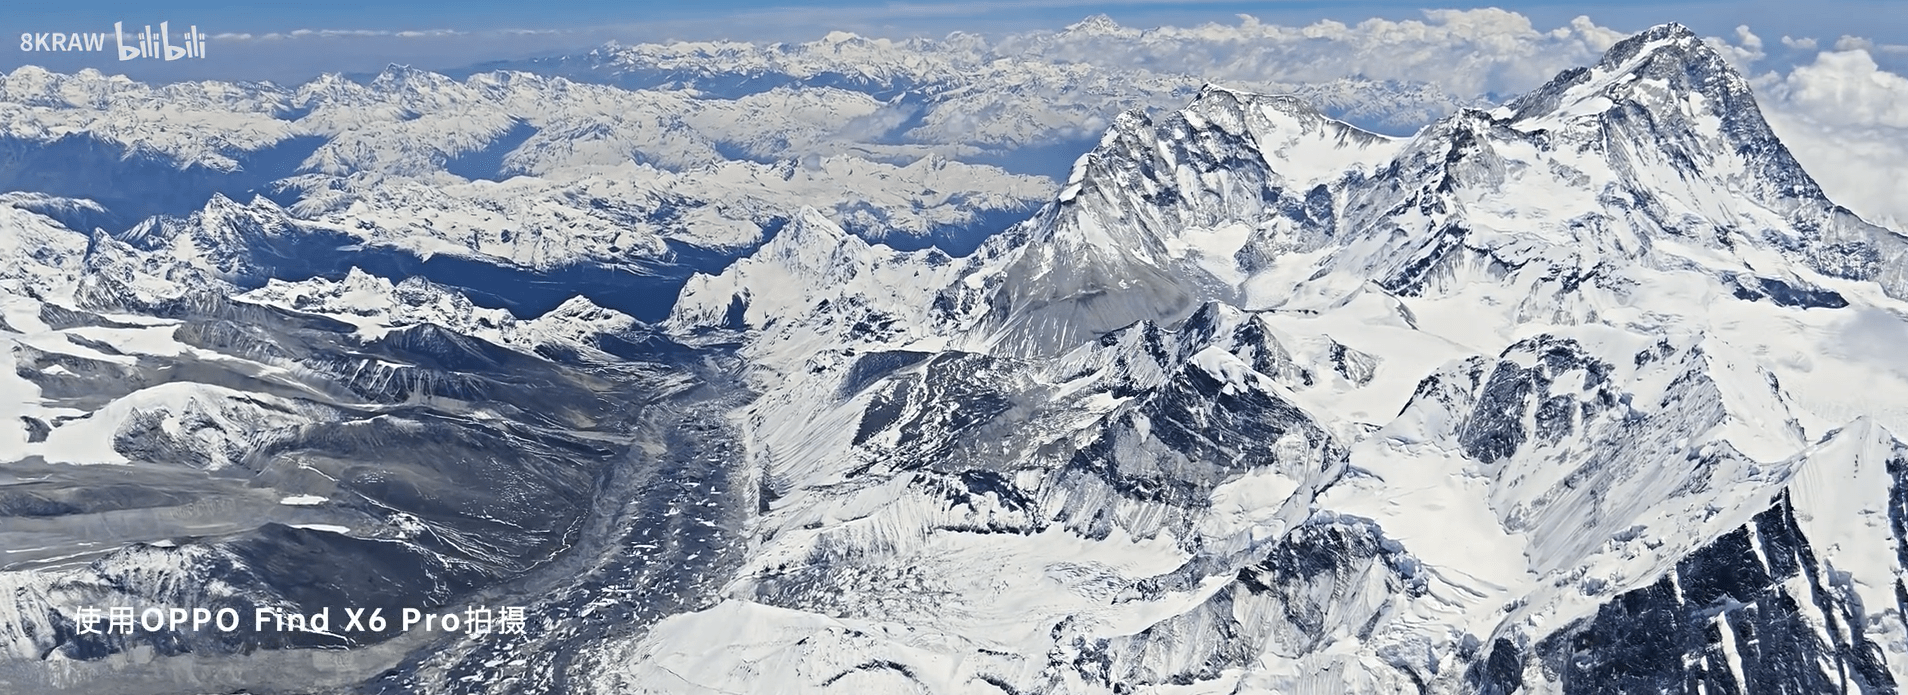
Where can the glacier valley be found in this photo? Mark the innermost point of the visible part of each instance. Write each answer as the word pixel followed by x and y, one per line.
pixel 1592 391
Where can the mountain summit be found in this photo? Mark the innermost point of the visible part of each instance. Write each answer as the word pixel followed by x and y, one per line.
pixel 1593 392
pixel 1264 202
pixel 1531 401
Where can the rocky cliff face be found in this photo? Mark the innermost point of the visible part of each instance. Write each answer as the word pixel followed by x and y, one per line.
pixel 1523 403
pixel 1575 395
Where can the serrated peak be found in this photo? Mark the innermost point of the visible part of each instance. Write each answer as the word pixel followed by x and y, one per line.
pixel 810 225
pixel 1215 99
pixel 582 308
pixel 328 79
pixel 356 277
pixel 1096 24
pixel 1212 318
pixel 1668 30
pixel 579 313
pixel 836 38
pixel 395 71
pixel 1669 55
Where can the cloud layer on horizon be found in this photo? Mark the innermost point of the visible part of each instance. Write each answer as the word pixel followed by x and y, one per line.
pixel 1843 115
pixel 1835 102
pixel 1846 120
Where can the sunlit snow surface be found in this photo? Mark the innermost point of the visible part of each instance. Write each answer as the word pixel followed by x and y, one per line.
pixel 1541 359
pixel 1595 392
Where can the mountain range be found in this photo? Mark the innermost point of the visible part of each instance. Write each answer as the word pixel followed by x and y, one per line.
pixel 1592 391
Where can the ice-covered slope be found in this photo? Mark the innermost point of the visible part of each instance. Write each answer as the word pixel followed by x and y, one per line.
pixel 37 254
pixel 1576 395
pixel 1164 215
pixel 819 291
pixel 164 442
pixel 1532 401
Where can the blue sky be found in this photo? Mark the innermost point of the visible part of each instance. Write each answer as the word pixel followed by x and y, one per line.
pixel 1827 18
pixel 571 26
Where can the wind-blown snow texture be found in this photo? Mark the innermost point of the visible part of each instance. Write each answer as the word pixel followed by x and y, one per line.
pixel 1588 393
pixel 1535 401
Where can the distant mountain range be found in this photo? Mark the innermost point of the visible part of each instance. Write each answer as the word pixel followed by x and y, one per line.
pixel 740 383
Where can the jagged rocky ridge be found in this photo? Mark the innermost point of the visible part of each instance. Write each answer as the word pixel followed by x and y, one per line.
pixel 1552 398
pixel 175 439
pixel 1574 395
pixel 651 157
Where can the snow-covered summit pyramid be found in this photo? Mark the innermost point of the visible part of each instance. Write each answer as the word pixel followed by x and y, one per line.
pixel 1576 395
pixel 1675 121
pixel 1162 216
pixel 1656 159
pixel 1262 401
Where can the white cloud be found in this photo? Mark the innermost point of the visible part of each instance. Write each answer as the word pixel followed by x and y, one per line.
pixel 1742 54
pixel 1848 88
pixel 1844 116
pixel 1467 53
pixel 1854 43
pixel 1846 121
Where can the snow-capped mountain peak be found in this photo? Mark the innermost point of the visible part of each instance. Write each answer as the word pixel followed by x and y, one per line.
pixel 1670 54
pixel 814 246
pixel 1676 92
pixel 1100 24
pixel 404 78
pixel 1166 213
pixel 1573 396
pixel 377 306
pixel 1302 145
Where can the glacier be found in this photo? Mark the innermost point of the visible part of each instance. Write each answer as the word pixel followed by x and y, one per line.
pixel 1580 393
pixel 1500 394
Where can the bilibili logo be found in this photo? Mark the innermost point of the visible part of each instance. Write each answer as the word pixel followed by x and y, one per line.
pixel 144 44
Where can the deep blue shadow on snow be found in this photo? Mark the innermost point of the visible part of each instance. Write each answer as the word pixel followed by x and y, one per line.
pixel 1053 160
pixel 488 163
pixel 956 241
pixel 646 291
pixel 132 185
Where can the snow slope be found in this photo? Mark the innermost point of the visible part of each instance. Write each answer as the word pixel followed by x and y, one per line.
pixel 1494 396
